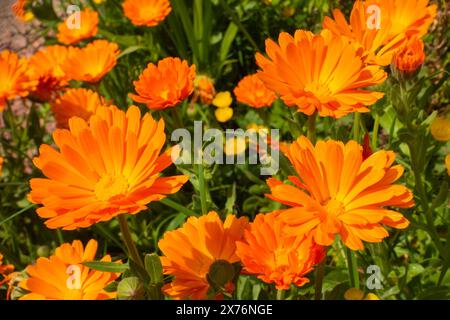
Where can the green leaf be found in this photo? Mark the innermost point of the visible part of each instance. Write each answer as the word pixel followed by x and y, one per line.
pixel 107 266
pixel 129 50
pixel 154 268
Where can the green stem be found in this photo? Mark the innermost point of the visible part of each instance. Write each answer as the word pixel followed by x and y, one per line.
pixel 280 294
pixel 133 252
pixel 352 268
pixel 320 273
pixel 202 186
pixel 312 127
pixel 357 126
pixel 237 21
pixel 376 127
pixel 178 207
pixel 17 214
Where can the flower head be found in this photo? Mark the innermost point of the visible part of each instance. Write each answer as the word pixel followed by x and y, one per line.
pixel 164 85
pixel 148 13
pixel 337 191
pixel 70 33
pixel 252 91
pixel 190 251
pixel 204 88
pixel 76 102
pixel 105 167
pixel 92 62
pixel 222 99
pixel 14 80
pixel 440 129
pixel 411 56
pixel 45 66
pixel 62 276
pixel 274 256
pixel 375 40
pixel 324 73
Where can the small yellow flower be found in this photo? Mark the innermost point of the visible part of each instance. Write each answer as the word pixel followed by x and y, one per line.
pixel 235 145
pixel 447 163
pixel 223 114
pixel 356 294
pixel 99 1
pixel 440 129
pixel 353 294
pixel 28 16
pixel 256 127
pixel 223 99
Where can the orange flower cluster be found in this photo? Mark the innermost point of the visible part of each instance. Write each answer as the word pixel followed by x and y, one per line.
pixel 148 13
pixel 5 271
pixel 411 56
pixel 62 276
pixel 337 191
pixel 105 167
pixel 71 33
pixel 164 85
pixel 251 91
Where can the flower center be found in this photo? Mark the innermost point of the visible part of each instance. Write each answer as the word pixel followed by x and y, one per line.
pixel 334 207
pixel 110 186
pixel 322 92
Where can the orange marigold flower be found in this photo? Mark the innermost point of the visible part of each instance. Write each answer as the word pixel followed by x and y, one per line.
pixel 378 48
pixel 323 73
pixel 252 91
pixel 276 257
pixel 408 17
pixel 5 270
pixel 164 85
pixel 204 88
pixel 190 251
pixel 92 62
pixel 18 8
pixel 70 33
pixel 105 167
pixel 79 102
pixel 14 80
pixel 45 66
pixel 337 191
pixel 148 13
pixel 63 276
pixel 411 56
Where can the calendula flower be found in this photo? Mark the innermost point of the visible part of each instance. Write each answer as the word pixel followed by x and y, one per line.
pixel 91 63
pixel 19 10
pixel 252 92
pixel 105 167
pixel 164 85
pixel 337 191
pixel 274 256
pixel 45 66
pixel 440 129
pixel 79 102
pixel 191 251
pixel 222 100
pixel 408 17
pixel 148 13
pixel 1 165
pixel 5 269
pixel 411 56
pixel 75 29
pixel 204 89
pixel 356 294
pixel 323 73
pixel 63 276
pixel 223 114
pixel 14 80
pixel 362 29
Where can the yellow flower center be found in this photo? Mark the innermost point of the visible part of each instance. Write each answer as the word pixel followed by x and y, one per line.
pixel 320 91
pixel 335 207
pixel 164 94
pixel 110 186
